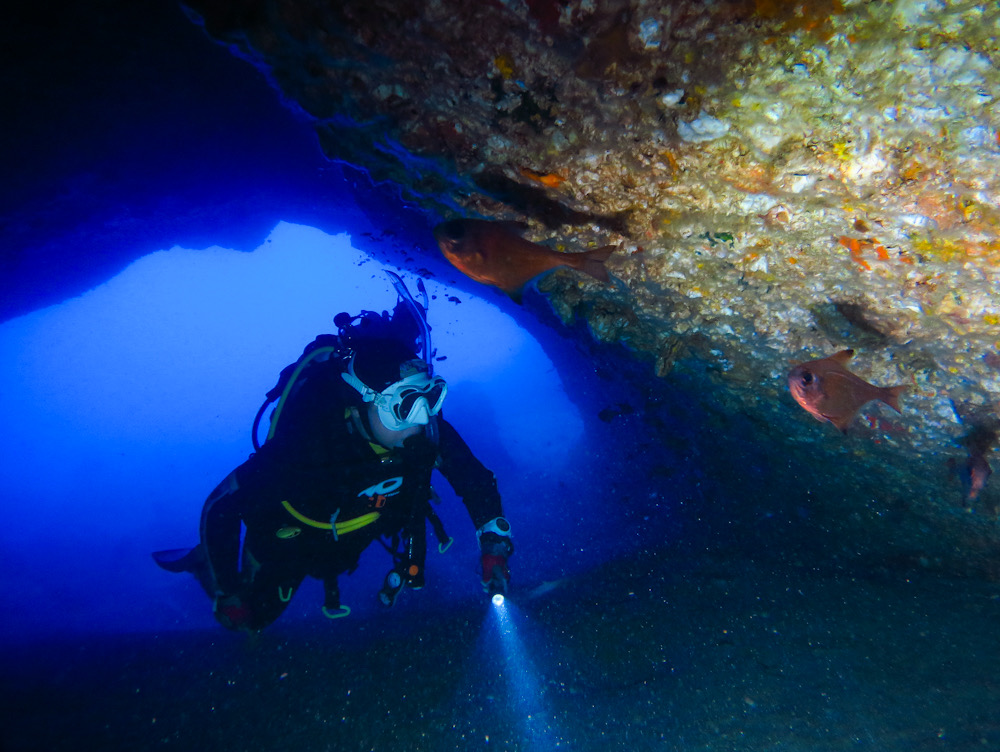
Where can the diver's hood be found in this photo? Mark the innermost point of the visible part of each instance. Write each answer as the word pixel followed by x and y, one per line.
pixel 407 324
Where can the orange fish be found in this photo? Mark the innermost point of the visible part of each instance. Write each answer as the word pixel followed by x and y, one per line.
pixel 494 253
pixel 973 475
pixel 980 441
pixel 549 180
pixel 826 389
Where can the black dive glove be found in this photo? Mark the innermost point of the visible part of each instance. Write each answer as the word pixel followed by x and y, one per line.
pixel 231 612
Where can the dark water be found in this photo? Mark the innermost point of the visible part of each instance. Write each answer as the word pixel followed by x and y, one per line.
pixel 664 651
pixel 126 131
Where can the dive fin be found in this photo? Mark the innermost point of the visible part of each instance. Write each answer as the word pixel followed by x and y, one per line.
pixel 180 559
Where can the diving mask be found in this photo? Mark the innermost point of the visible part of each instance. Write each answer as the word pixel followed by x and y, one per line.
pixel 411 401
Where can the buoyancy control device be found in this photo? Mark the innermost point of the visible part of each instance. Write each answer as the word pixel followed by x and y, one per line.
pixel 408 324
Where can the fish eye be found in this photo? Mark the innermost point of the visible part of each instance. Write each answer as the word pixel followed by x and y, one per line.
pixel 807 377
pixel 455 230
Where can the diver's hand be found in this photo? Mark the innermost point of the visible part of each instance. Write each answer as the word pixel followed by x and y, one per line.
pixel 496 574
pixel 231 612
pixel 496 546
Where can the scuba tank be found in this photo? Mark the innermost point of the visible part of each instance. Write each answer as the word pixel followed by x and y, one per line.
pixel 328 345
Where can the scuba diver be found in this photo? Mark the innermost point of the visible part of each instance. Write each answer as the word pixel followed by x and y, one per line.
pixel 354 435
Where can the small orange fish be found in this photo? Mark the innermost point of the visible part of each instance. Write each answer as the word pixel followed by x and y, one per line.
pixel 827 390
pixel 494 253
pixel 979 442
pixel 549 180
pixel 979 471
pixel 972 475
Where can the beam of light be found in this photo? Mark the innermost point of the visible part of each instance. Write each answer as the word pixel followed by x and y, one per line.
pixel 525 690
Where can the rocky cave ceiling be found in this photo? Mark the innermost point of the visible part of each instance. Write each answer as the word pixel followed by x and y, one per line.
pixel 782 180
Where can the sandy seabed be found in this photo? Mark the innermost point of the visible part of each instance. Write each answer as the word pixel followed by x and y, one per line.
pixel 658 653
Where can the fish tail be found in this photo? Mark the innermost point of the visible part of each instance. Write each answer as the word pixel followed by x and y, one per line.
pixel 890 395
pixel 592 262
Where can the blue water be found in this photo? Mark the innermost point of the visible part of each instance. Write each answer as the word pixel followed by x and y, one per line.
pixel 672 589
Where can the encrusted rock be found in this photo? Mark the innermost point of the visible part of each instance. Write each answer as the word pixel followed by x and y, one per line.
pixel 784 179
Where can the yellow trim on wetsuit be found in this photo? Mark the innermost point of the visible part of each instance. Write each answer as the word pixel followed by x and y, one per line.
pixel 347 526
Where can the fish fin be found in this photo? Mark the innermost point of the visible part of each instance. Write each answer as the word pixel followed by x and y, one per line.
pixel 841 422
pixel 592 262
pixel 517 294
pixel 890 395
pixel 843 356
pixel 511 225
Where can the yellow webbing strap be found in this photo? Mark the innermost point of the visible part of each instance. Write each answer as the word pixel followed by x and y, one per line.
pixel 347 526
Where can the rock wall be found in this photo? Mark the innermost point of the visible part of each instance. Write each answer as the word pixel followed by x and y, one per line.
pixel 783 180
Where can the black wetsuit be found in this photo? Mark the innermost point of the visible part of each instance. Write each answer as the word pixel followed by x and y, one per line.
pixel 319 466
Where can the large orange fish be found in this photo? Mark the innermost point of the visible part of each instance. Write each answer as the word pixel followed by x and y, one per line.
pixel 494 253
pixel 827 390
